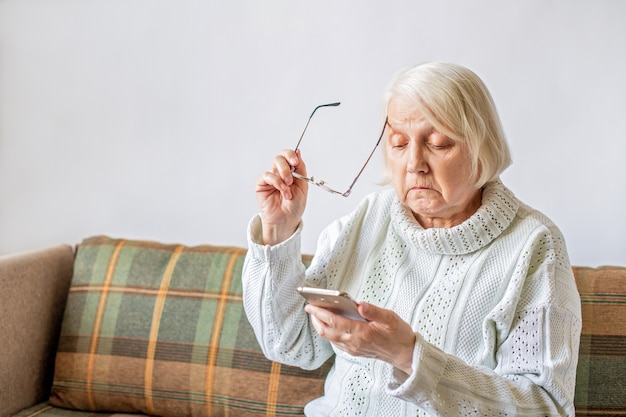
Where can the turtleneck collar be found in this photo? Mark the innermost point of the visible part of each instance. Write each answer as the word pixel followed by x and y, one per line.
pixel 496 212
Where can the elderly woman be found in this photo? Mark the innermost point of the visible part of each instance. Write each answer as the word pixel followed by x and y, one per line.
pixel 469 297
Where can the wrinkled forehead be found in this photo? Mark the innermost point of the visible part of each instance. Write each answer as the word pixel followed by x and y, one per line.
pixel 404 115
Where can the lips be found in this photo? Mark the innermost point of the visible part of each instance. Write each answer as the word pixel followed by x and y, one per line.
pixel 420 188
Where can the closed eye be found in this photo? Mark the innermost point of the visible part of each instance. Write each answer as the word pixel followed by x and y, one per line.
pixel 439 147
pixel 398 141
pixel 440 142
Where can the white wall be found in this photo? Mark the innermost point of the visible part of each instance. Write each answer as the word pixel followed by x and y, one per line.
pixel 152 119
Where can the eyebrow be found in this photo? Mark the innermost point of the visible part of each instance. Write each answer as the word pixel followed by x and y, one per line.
pixel 401 130
pixel 398 127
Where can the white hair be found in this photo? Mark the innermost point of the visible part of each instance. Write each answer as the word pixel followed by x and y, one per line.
pixel 457 103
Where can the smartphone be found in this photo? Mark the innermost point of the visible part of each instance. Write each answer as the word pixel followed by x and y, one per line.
pixel 339 302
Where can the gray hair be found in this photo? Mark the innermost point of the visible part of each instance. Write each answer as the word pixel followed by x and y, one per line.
pixel 457 103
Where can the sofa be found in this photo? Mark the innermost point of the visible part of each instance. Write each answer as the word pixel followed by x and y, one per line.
pixel 120 327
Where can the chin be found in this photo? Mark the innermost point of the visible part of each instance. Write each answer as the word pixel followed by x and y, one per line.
pixel 420 211
pixel 419 204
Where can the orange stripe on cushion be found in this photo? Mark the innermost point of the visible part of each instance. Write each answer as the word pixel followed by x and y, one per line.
pixel 272 389
pixel 93 345
pixel 150 292
pixel 217 326
pixel 154 328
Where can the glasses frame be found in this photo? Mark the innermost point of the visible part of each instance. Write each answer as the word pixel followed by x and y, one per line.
pixel 321 183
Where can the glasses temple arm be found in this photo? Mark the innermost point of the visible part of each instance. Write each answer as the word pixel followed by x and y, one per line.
pixel 349 190
pixel 311 116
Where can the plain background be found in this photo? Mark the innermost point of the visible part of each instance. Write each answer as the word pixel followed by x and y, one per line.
pixel 152 119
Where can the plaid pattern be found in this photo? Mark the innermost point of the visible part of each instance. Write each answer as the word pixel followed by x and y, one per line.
pixel 601 374
pixel 205 361
pixel 160 329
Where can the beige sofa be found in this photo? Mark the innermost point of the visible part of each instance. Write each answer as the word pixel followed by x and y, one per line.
pixel 119 327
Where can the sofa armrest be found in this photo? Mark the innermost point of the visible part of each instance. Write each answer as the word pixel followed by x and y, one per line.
pixel 33 292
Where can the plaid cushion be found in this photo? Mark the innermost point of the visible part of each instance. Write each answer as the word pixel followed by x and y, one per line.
pixel 160 329
pixel 601 375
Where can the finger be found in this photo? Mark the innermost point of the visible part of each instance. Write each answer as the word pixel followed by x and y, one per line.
pixel 269 181
pixel 282 166
pixel 292 157
pixel 329 319
pixel 318 313
pixel 371 312
pixel 300 168
pixel 324 328
pixel 294 160
pixel 318 325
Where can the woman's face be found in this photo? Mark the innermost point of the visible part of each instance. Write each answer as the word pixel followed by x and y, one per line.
pixel 431 173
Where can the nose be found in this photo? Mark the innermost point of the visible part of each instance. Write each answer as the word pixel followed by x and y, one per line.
pixel 417 163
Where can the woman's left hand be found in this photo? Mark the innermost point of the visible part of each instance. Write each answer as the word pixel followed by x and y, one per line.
pixel 385 336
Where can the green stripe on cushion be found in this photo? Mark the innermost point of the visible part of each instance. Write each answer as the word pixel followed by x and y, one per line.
pixel 204 360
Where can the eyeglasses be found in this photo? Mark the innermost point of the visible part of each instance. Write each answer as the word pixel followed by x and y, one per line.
pixel 322 184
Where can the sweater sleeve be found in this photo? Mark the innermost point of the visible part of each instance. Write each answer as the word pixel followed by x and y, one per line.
pixel 534 331
pixel 274 308
pixel 446 386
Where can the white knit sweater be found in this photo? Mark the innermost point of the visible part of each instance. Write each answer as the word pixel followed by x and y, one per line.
pixel 493 303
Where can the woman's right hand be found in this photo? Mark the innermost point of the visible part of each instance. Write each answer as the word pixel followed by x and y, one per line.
pixel 282 197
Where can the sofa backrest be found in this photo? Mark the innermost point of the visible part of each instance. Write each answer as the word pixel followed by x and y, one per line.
pixel 33 290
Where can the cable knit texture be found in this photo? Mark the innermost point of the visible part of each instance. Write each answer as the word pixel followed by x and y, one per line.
pixel 493 303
